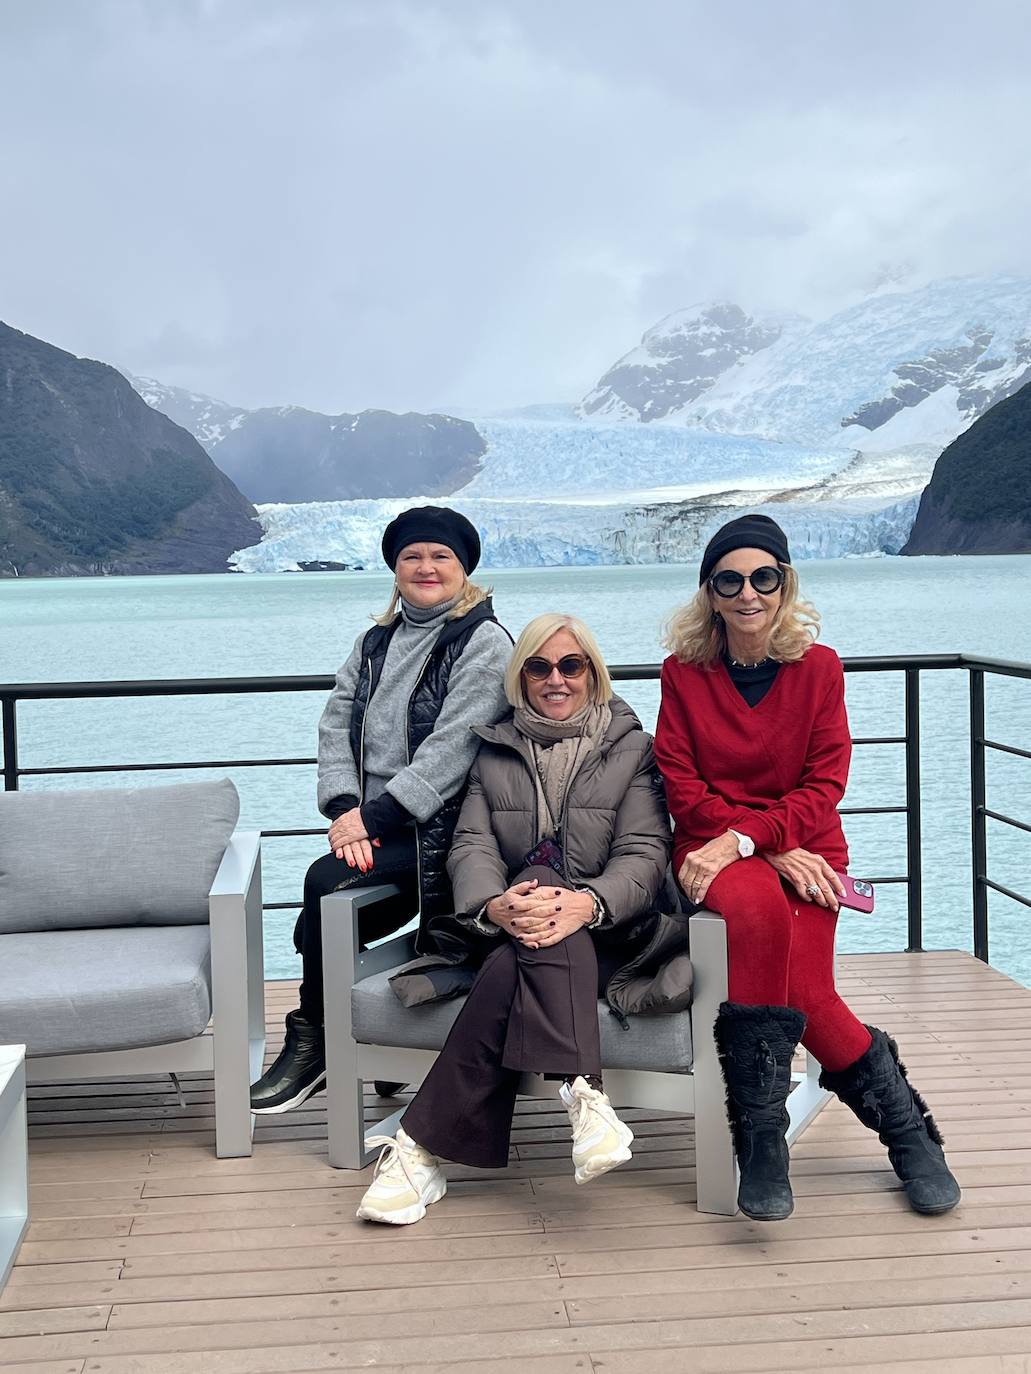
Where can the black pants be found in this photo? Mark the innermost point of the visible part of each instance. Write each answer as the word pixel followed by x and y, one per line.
pixel 394 862
pixel 529 1010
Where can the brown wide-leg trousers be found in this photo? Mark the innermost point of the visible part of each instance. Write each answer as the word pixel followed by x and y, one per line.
pixel 529 1010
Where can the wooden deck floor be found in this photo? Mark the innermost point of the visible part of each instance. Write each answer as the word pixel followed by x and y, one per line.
pixel 146 1255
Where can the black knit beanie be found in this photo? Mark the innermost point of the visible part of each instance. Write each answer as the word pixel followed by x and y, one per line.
pixel 432 525
pixel 746 532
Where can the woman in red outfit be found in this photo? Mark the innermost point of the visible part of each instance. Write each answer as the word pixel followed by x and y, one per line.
pixel 754 746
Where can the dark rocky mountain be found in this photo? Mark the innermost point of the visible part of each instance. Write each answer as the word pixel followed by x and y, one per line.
pixel 92 480
pixel 979 497
pixel 286 453
pixel 678 360
pixel 290 454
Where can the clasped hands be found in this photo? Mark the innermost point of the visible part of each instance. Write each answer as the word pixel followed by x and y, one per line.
pixel 349 840
pixel 539 915
pixel 809 874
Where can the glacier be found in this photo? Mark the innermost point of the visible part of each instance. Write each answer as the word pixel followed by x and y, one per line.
pixel 865 505
pixel 592 462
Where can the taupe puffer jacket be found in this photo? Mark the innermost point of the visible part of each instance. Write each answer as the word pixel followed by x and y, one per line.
pixel 615 832
pixel 615 836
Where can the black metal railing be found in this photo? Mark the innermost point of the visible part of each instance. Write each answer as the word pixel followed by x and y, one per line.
pixel 911 667
pixel 980 813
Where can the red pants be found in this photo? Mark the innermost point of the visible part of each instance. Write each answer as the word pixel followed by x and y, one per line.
pixel 780 952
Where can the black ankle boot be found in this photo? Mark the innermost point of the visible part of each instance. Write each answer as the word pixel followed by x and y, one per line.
pixel 298 1071
pixel 876 1088
pixel 755 1047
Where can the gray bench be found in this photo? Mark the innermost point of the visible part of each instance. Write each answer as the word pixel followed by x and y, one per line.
pixel 666 1063
pixel 130 918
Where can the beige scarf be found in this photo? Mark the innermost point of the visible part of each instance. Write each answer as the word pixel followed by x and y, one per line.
pixel 559 748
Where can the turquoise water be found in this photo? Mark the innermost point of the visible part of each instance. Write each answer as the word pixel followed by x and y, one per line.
pixel 88 629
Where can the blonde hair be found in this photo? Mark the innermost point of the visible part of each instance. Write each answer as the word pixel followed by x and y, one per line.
pixel 471 595
pixel 536 635
pixel 696 634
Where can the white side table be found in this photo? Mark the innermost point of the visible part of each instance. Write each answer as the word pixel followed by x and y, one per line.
pixel 14 1156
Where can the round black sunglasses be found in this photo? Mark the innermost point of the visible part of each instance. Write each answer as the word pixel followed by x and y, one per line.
pixel 764 580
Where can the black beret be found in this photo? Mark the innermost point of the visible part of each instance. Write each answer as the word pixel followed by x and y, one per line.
pixel 432 525
pixel 746 532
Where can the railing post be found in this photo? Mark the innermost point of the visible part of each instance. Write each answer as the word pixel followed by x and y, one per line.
pixel 8 714
pixel 978 820
pixel 914 849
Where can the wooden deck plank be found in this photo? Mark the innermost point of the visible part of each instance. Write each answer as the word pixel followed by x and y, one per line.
pixel 146 1255
pixel 990 1352
pixel 49 1321
pixel 303 1330
pixel 255 1283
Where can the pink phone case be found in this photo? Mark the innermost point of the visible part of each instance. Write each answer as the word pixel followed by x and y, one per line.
pixel 859 894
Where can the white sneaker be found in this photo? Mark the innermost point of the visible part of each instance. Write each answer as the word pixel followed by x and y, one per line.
pixel 600 1140
pixel 407 1180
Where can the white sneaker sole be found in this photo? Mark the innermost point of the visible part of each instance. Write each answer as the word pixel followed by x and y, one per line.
pixel 405 1216
pixel 302 1096
pixel 597 1165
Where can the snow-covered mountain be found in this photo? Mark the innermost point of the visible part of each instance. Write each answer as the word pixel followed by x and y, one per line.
pixel 206 418
pixel 678 360
pixel 899 367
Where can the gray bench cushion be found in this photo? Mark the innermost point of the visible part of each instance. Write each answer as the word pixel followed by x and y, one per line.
pixel 74 991
pixel 112 856
pixel 660 1043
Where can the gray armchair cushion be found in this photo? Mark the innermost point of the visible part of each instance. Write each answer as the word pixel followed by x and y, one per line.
pixel 112 856
pixel 661 1043
pixel 74 991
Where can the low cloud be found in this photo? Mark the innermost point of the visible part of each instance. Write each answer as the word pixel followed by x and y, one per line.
pixel 482 204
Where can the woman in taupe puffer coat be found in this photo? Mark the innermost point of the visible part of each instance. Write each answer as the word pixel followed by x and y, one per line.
pixel 557 866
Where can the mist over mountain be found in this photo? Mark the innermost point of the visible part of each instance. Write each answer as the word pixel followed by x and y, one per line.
pixel 287 453
pixel 92 480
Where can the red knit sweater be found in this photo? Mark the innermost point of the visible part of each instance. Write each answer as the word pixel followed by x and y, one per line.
pixel 775 771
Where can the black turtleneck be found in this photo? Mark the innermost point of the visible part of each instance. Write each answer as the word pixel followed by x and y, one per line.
pixel 753 683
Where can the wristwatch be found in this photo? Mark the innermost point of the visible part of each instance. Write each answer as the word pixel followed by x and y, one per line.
pixel 745 843
pixel 599 909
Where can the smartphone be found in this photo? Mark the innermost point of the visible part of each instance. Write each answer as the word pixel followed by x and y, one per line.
pixel 547 853
pixel 858 893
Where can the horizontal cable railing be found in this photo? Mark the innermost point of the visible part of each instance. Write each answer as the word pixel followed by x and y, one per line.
pixel 909 666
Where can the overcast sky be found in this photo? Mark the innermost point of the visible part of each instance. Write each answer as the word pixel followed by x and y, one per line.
pixel 344 204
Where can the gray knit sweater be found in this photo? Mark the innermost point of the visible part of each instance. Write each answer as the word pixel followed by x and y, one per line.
pixel 439 767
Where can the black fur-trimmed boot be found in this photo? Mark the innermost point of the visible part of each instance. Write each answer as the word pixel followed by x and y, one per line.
pixel 877 1089
pixel 755 1046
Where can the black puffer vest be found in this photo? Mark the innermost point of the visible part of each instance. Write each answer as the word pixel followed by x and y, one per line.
pixel 434 836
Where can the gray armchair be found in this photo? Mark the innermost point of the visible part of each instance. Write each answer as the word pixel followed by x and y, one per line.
pixel 666 1062
pixel 130 919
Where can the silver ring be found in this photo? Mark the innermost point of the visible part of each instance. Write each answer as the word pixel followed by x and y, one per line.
pixel 813 890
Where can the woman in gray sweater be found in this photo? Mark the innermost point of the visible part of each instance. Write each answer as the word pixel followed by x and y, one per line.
pixel 395 748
